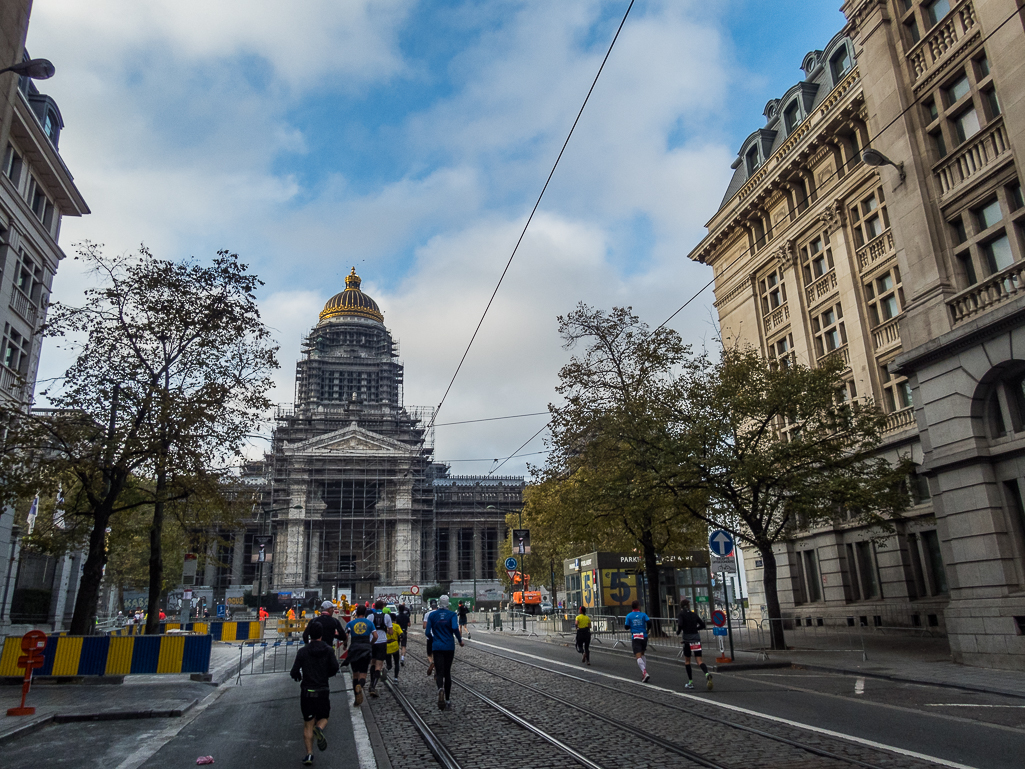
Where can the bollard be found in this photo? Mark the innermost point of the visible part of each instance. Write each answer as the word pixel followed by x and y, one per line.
pixel 32 643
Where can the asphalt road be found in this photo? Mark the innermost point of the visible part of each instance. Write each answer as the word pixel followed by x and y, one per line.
pixel 929 720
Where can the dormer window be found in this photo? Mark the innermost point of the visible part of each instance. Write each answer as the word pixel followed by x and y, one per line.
pixel 792 116
pixel 840 64
pixel 752 160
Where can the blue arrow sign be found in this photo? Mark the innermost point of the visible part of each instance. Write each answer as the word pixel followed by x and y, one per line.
pixel 510 563
pixel 720 543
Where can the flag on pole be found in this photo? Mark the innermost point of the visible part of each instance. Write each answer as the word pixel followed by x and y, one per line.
pixel 32 513
pixel 58 510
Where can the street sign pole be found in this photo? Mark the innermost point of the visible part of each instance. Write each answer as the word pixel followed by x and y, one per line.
pixel 729 624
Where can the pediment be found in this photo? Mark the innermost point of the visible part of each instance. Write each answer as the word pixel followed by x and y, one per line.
pixel 350 440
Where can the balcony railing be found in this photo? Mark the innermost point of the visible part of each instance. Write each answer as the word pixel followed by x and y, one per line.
pixel 776 318
pixel 886 334
pixel 996 289
pixel 843 352
pixel 10 382
pixel 822 287
pixel 23 306
pixel 957 25
pixel 973 157
pixel 879 247
pixel 899 420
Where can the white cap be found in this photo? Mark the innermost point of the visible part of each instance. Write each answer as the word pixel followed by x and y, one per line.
pixel 443 602
pixel 327 605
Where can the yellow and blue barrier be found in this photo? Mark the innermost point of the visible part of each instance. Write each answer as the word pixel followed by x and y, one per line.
pixel 220 631
pixel 113 656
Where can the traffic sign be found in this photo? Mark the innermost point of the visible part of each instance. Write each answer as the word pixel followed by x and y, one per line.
pixel 414 589
pixel 720 542
pixel 728 565
pixel 719 631
pixel 719 618
pixel 510 563
pixel 511 573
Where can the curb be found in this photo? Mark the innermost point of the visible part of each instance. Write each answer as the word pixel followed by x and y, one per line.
pixel 23 729
pixel 908 680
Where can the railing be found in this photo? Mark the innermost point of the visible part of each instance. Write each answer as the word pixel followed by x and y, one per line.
pixel 777 317
pixel 23 306
pixel 10 381
pixel 874 250
pixel 899 420
pixel 822 287
pixel 974 156
pixel 843 352
pixel 887 334
pixel 995 290
pixel 941 39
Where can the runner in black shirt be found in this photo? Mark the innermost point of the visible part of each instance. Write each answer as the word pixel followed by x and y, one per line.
pixel 463 611
pixel 314 664
pixel 688 624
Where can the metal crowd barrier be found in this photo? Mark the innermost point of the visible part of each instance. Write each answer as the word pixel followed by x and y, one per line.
pixel 113 656
pixel 218 630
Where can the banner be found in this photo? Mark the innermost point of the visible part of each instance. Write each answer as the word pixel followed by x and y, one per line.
pixel 619 588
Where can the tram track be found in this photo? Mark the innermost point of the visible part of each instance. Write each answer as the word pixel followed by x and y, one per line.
pixel 697 758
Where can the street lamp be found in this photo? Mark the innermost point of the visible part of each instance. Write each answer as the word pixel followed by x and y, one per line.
pixel 874 157
pixel 37 69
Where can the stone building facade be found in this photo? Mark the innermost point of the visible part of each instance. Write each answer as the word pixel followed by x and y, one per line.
pixel 945 97
pixel 806 266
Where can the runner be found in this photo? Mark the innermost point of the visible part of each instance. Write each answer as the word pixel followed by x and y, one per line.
pixel 382 622
pixel 637 624
pixel 463 611
pixel 332 631
pixel 393 647
pixel 688 623
pixel 584 636
pixel 430 646
pixel 443 630
pixel 402 618
pixel 362 636
pixel 314 664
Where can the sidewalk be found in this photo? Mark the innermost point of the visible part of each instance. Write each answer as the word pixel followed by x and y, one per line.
pixel 149 696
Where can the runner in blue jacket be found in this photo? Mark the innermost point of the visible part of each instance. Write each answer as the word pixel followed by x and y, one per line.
pixel 637 623
pixel 443 631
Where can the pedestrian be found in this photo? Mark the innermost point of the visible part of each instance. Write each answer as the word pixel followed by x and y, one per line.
pixel 314 664
pixel 430 646
pixel 379 648
pixel 583 623
pixel 688 623
pixel 332 631
pixel 463 612
pixel 443 631
pixel 263 614
pixel 402 618
pixel 361 640
pixel 162 615
pixel 637 623
pixel 291 613
pixel 393 648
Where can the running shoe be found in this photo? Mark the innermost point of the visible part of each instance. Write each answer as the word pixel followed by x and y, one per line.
pixel 645 679
pixel 689 685
pixel 318 735
pixel 373 693
pixel 308 761
pixel 708 676
pixel 358 690
pixel 448 704
pixel 441 699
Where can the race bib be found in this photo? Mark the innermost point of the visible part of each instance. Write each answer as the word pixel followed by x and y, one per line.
pixel 638 636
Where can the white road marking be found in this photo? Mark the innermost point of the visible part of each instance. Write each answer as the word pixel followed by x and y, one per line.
pixel 966 705
pixel 859 686
pixel 364 750
pixel 746 711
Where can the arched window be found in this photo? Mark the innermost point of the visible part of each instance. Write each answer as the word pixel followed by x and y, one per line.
pixel 1000 404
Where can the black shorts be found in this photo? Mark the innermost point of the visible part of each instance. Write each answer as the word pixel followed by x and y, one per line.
pixel 692 644
pixel 380 651
pixel 359 658
pixel 430 647
pixel 640 645
pixel 315 705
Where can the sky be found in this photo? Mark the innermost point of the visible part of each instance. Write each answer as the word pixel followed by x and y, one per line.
pixel 410 140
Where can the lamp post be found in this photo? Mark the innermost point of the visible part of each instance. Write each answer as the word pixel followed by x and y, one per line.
pixel 37 69
pixel 874 157
pixel 262 554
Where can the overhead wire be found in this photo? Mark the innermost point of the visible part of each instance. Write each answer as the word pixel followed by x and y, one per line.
pixel 530 218
pixel 836 183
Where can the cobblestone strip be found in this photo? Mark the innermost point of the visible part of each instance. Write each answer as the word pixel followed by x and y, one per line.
pixel 478 736
pixel 662 714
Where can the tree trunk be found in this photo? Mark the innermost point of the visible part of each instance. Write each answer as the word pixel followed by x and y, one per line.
pixel 156 557
pixel 83 621
pixel 651 572
pixel 769 583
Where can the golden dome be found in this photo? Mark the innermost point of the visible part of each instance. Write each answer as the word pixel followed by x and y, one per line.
pixel 352 301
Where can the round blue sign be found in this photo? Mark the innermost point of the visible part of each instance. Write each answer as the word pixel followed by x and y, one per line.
pixel 720 542
pixel 510 563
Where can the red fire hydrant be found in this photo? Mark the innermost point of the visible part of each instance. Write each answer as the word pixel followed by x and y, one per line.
pixel 32 643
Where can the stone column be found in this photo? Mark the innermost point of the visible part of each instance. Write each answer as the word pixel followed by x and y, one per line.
pixel 404 560
pixel 238 554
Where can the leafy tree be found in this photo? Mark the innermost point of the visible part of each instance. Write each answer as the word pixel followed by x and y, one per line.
pixel 775 449
pixel 600 484
pixel 170 378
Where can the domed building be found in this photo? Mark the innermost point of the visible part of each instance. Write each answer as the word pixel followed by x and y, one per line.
pixel 348 471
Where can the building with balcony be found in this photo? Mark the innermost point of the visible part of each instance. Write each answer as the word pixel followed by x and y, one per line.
pixel 36 192
pixel 944 87
pixel 806 265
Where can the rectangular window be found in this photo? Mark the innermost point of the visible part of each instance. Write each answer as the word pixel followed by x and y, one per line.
pixel 932 113
pixel 911 29
pixel 813 588
pixel 490 553
pixel 792 116
pixel 852 574
pixel 840 64
pixel 441 559
pixel 997 254
pixel 960 233
pixel 966 125
pixel 940 142
pixel 869 218
pixel 866 562
pixel 1014 197
pixel 1017 512
pixel 982 66
pixel 773 291
pixel 12 165
pixel 936 10
pixel 465 549
pixel 989 215
pixel 957 90
pixel 828 330
pixel 885 296
pixel 752 160
pixel 934 562
pixel 896 390
pixel 992 103
pixel 967 268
